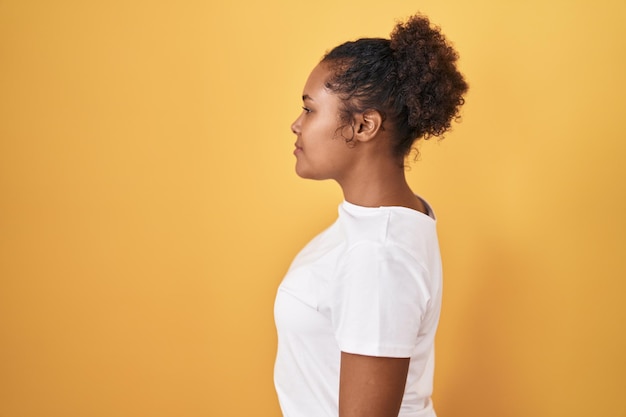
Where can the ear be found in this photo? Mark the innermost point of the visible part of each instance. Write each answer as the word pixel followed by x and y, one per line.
pixel 367 125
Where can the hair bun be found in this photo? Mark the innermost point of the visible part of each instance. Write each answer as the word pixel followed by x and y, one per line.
pixel 428 79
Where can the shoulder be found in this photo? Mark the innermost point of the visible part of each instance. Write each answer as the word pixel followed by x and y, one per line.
pixel 387 229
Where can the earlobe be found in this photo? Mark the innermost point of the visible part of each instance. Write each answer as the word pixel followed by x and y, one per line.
pixel 368 124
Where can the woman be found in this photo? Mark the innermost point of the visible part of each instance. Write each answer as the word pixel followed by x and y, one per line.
pixel 357 312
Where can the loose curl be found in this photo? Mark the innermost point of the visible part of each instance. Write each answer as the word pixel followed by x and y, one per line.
pixel 410 79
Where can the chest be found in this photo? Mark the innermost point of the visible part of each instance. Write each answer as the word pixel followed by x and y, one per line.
pixel 302 296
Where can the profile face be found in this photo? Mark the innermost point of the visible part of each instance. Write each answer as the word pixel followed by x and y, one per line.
pixel 321 151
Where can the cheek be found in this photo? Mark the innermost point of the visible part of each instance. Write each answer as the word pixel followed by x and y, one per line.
pixel 323 130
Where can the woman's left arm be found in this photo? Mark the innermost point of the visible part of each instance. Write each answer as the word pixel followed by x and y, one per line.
pixel 371 386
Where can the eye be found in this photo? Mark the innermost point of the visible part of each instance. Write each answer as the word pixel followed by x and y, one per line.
pixel 306 109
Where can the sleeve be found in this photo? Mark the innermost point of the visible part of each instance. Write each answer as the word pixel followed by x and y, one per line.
pixel 379 299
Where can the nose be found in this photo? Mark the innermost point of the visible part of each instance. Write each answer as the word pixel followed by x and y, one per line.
pixel 295 126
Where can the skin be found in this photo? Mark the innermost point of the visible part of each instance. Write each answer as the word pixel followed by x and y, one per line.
pixel 371 386
pixel 365 168
pixel 369 175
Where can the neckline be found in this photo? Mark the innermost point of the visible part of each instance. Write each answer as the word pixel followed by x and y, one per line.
pixel 373 210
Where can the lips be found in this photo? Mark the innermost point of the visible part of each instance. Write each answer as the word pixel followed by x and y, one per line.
pixel 298 148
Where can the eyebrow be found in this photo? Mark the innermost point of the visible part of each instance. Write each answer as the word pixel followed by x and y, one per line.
pixel 307 97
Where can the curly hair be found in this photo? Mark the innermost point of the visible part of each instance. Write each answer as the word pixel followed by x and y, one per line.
pixel 411 79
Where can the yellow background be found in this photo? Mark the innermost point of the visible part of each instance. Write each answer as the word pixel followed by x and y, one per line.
pixel 148 205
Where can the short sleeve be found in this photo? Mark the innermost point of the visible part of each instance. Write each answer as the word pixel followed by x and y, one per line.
pixel 379 299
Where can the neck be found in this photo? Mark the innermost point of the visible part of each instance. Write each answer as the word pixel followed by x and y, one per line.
pixel 380 182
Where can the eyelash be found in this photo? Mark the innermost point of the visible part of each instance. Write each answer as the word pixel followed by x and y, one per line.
pixel 306 109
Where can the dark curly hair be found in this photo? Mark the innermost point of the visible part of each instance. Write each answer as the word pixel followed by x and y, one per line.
pixel 411 79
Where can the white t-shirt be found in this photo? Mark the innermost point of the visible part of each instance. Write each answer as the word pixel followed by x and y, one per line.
pixel 370 284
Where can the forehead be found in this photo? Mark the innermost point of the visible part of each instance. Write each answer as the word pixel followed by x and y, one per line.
pixel 315 84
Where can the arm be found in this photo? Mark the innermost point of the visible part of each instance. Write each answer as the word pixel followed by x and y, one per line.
pixel 371 386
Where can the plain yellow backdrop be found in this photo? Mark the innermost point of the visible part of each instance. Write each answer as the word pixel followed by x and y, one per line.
pixel 149 208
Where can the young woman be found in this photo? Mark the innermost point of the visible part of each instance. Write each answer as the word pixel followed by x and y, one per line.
pixel 356 313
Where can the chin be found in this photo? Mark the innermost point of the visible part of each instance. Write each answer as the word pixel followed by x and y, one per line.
pixel 303 174
pixel 307 175
pixel 309 172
